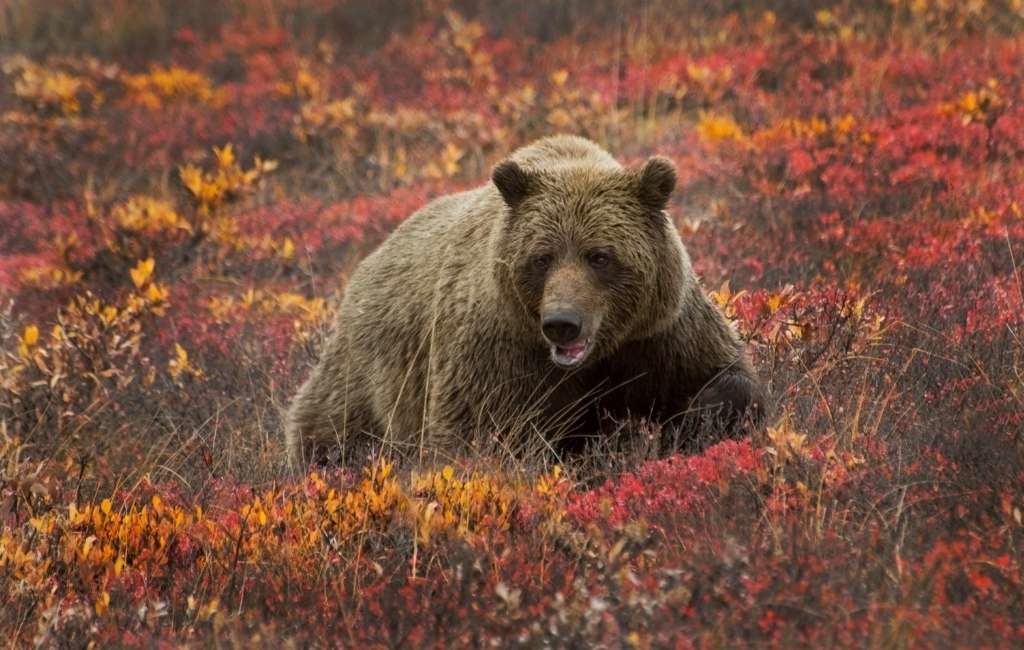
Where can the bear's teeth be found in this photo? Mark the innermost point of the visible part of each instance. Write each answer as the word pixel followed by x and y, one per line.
pixel 570 355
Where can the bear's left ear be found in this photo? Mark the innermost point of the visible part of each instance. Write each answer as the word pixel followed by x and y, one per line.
pixel 655 182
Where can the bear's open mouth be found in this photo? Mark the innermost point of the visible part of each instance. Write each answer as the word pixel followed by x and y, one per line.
pixel 570 355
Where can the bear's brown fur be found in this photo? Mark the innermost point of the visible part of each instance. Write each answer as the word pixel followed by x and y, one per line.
pixel 557 291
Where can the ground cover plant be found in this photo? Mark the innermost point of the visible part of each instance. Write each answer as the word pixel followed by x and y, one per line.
pixel 185 186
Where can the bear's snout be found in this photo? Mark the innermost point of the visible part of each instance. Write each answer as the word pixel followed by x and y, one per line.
pixel 568 332
pixel 570 314
pixel 562 326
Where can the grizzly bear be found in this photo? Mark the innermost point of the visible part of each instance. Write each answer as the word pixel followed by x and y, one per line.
pixel 555 296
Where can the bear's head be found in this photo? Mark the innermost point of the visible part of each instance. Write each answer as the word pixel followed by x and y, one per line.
pixel 587 255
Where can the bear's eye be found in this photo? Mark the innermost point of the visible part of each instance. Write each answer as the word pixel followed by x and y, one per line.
pixel 598 259
pixel 541 262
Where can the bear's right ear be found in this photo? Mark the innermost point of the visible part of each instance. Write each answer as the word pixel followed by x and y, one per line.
pixel 512 181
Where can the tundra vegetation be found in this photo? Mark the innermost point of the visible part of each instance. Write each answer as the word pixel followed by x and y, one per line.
pixel 185 187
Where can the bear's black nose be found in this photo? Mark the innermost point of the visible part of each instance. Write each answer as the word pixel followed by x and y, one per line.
pixel 561 326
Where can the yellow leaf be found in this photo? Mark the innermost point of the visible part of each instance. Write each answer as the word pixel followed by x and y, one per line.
pixel 559 118
pixel 431 170
pixel 209 609
pixel 969 102
pixel 786 441
pixel 192 177
pixel 723 295
pixel 560 77
pixel 288 248
pixel 225 156
pixel 845 124
pixel 102 603
pixel 699 73
pixel 265 166
pixel 450 159
pixel 30 336
pixel 142 271
pixel 87 545
pixel 718 127
pixel 106 506
pixel 156 293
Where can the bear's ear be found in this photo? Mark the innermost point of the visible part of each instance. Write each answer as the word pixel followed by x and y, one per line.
pixel 655 182
pixel 512 181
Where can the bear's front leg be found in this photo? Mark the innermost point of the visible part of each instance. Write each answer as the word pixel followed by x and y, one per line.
pixel 730 403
